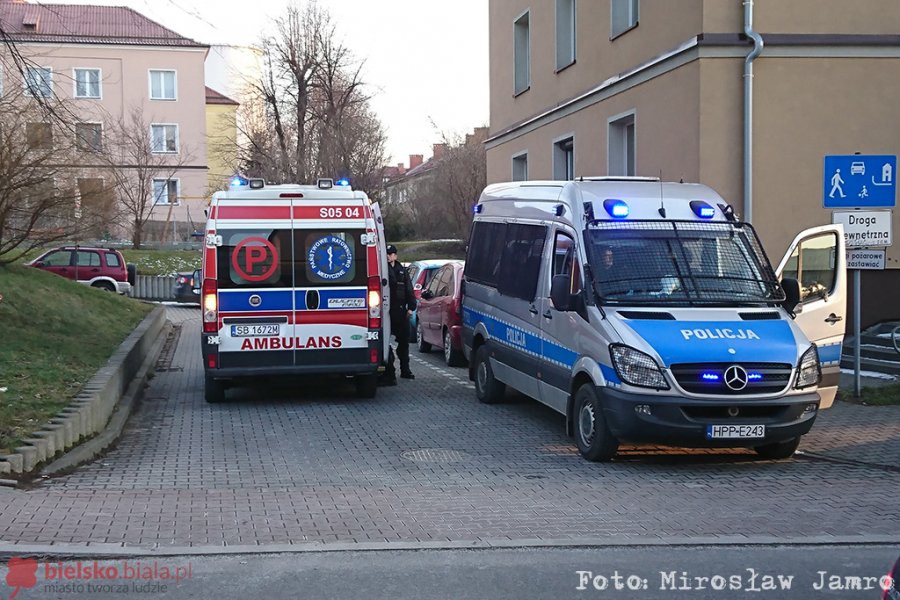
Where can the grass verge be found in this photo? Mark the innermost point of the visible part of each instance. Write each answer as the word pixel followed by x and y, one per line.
pixel 54 335
pixel 885 395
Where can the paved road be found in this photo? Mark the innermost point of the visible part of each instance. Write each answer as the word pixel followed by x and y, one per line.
pixel 644 573
pixel 425 462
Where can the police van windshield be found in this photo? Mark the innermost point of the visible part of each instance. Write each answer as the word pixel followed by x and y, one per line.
pixel 680 263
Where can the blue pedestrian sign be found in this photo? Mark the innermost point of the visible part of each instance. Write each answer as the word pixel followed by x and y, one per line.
pixel 857 181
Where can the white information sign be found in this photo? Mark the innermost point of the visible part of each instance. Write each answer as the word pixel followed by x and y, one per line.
pixel 868 260
pixel 864 228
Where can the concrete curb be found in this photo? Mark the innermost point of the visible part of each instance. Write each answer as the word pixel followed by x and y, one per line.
pixel 107 550
pixel 89 411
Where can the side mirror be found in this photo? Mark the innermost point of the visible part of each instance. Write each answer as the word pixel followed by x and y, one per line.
pixel 791 294
pixel 559 293
pixel 427 295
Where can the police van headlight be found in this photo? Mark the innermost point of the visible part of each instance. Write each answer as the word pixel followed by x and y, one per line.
pixel 637 368
pixel 810 371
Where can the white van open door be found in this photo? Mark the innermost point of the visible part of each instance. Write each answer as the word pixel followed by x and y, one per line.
pixel 385 288
pixel 817 259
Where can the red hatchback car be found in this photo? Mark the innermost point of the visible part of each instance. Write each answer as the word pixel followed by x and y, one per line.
pixel 102 268
pixel 440 313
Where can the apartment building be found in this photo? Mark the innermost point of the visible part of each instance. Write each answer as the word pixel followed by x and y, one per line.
pixel 222 145
pixel 657 87
pixel 110 65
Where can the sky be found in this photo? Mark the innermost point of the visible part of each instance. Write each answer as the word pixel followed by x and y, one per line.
pixel 426 60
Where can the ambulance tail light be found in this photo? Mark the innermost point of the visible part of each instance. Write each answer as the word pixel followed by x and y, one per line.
pixel 374 302
pixel 210 306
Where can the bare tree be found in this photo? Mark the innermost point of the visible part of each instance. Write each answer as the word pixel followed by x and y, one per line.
pixel 309 115
pixel 135 162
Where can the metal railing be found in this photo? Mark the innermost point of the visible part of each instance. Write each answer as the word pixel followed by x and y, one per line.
pixel 152 287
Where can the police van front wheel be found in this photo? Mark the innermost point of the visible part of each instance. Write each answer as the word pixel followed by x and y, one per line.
pixel 214 390
pixel 778 450
pixel 487 388
pixel 592 435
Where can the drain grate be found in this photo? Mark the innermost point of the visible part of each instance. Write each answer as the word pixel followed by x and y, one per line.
pixel 164 362
pixel 434 455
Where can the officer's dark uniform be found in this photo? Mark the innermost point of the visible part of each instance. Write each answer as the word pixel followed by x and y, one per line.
pixel 402 300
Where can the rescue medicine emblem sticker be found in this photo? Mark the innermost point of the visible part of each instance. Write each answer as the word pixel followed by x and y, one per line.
pixel 330 258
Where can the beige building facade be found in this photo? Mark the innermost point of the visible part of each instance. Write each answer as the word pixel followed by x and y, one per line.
pixel 656 88
pixel 108 64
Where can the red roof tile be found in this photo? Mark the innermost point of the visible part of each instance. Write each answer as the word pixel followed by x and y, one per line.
pixel 214 97
pixel 84 24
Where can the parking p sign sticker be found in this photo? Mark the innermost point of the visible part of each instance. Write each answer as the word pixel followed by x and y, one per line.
pixel 860 181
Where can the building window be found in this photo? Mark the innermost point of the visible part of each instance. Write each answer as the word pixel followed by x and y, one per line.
pixel 39 136
pixel 522 36
pixel 89 137
pixel 624 16
pixel 520 167
pixel 162 85
pixel 565 33
pixel 564 159
pixel 621 145
pixel 39 81
pixel 164 138
pixel 87 83
pixel 165 191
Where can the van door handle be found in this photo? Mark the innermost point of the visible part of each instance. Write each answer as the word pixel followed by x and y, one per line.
pixel 533 309
pixel 547 314
pixel 833 318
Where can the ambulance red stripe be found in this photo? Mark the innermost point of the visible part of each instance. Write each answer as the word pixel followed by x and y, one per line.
pixel 254 213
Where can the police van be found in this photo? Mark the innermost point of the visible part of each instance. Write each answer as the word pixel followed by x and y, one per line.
pixel 646 311
pixel 294 282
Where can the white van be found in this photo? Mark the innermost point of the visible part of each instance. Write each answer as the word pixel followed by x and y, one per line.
pixel 646 312
pixel 294 282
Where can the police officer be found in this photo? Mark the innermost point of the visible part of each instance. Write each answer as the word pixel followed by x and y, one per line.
pixel 403 302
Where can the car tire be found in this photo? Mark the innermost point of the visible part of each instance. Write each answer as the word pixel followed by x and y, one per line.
pixel 132 274
pixel 487 388
pixel 592 436
pixel 105 286
pixel 778 450
pixel 452 357
pixel 366 385
pixel 214 390
pixel 424 347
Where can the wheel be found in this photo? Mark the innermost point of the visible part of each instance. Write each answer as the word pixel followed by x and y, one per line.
pixel 214 390
pixel 778 450
pixel 453 358
pixel 366 385
pixel 105 286
pixel 488 389
pixel 592 435
pixel 424 347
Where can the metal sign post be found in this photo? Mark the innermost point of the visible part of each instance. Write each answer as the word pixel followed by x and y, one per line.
pixel 861 182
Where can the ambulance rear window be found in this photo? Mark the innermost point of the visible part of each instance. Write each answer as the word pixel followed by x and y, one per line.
pixel 327 257
pixel 255 258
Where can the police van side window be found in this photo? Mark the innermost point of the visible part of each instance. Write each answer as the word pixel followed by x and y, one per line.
pixel 520 263
pixel 812 264
pixel 565 262
pixel 485 247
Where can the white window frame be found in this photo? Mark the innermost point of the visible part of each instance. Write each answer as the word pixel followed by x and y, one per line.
pixel 153 139
pixel 27 74
pixel 517 162
pixel 99 71
pixel 566 17
pixel 165 180
pixel 100 149
pixel 174 73
pixel 563 169
pixel 618 148
pixel 521 62
pixel 632 10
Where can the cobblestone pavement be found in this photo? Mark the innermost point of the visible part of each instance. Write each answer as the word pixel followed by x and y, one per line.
pixel 424 461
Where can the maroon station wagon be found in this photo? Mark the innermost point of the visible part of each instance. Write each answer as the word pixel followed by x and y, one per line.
pixel 102 268
pixel 440 313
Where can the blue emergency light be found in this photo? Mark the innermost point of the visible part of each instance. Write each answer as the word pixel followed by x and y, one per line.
pixel 702 209
pixel 710 376
pixel 342 182
pixel 239 181
pixel 617 209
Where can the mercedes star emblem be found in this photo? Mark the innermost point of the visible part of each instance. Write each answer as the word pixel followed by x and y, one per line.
pixel 736 378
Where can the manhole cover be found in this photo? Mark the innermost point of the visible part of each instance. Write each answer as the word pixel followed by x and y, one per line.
pixel 434 455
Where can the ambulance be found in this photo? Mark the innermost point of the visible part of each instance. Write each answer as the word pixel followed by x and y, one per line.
pixel 294 283
pixel 646 311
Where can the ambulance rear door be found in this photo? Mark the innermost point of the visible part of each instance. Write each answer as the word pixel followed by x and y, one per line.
pixel 381 250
